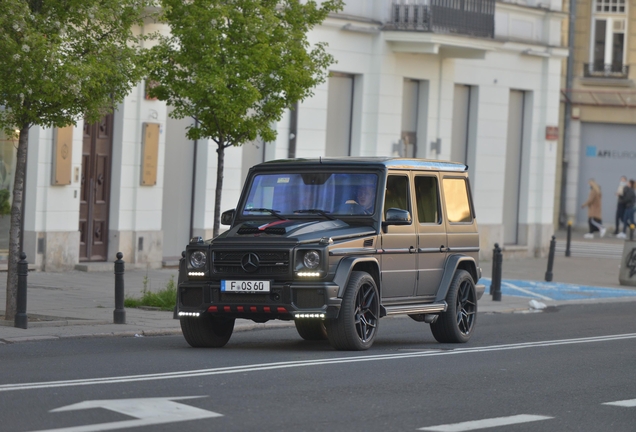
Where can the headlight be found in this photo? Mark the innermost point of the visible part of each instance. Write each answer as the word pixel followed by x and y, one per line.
pixel 311 259
pixel 197 259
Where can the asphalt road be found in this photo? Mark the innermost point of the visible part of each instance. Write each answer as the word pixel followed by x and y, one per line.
pixel 568 369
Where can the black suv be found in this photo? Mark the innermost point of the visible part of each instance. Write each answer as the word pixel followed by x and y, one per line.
pixel 334 245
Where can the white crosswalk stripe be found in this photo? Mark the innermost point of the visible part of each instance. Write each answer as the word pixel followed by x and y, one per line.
pixel 590 249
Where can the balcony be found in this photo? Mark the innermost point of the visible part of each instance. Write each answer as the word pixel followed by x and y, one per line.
pixel 599 69
pixel 459 17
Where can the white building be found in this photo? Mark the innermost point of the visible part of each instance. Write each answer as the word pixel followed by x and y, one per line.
pixel 467 80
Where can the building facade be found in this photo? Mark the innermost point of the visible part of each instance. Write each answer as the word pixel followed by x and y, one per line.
pixel 600 141
pixel 474 81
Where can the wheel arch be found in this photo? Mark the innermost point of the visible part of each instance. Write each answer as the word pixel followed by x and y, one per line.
pixel 454 263
pixel 351 264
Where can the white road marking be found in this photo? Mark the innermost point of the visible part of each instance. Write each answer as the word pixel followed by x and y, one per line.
pixel 486 423
pixel 147 411
pixel 525 291
pixel 306 363
pixel 631 403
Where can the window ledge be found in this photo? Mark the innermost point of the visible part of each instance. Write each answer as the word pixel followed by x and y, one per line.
pixel 607 82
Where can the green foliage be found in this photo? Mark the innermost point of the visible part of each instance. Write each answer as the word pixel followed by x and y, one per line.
pixel 66 59
pixel 164 298
pixel 236 65
pixel 5 206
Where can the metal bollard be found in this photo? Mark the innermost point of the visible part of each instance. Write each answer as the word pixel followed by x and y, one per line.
pixel 567 244
pixel 548 273
pixel 495 286
pixel 21 320
pixel 119 314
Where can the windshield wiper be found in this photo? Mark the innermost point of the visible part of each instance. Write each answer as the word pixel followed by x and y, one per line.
pixel 315 211
pixel 266 210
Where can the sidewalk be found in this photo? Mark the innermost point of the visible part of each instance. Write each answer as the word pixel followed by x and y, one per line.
pixel 81 304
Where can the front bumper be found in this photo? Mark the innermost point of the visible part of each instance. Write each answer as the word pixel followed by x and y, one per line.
pixel 285 301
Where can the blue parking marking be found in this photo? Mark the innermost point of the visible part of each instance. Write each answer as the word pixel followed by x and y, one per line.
pixel 555 290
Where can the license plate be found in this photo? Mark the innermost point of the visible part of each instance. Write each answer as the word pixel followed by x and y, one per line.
pixel 245 286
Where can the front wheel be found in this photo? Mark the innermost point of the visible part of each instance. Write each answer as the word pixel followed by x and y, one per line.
pixel 456 325
pixel 207 331
pixel 357 323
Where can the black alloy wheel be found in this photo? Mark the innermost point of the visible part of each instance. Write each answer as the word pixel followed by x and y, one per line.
pixel 207 331
pixel 456 325
pixel 357 323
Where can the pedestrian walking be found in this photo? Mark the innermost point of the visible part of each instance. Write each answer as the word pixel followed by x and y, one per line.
pixel 594 214
pixel 629 202
pixel 620 206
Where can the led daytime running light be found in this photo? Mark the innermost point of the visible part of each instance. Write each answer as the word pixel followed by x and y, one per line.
pixel 310 315
pixel 190 314
pixel 196 273
pixel 308 274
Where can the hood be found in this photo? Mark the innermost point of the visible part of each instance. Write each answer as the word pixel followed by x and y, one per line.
pixel 297 231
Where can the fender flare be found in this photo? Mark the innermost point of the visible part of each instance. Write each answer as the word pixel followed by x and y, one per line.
pixel 345 267
pixel 452 263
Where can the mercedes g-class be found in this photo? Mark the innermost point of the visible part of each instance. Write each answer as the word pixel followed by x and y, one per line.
pixel 335 245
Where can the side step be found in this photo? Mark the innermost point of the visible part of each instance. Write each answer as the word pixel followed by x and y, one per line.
pixel 414 309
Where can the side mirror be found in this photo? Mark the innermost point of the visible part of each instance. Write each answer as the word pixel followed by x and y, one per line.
pixel 227 217
pixel 395 216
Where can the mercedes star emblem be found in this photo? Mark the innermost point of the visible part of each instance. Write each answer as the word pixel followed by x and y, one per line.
pixel 250 262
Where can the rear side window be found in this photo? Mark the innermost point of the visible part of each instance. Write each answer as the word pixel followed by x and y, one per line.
pixel 456 197
pixel 427 197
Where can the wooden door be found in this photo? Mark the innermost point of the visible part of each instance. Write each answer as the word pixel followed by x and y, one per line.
pixel 95 193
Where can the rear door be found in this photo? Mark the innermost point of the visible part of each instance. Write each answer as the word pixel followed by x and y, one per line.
pixel 431 234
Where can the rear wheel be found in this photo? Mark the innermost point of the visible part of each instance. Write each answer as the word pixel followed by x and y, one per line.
pixel 207 331
pixel 456 325
pixel 311 329
pixel 357 323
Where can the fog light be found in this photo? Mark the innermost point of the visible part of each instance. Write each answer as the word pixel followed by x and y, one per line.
pixel 189 314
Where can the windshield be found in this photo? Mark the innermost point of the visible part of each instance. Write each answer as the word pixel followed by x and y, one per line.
pixel 334 194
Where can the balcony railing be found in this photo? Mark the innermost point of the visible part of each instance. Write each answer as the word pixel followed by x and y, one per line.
pixel 605 70
pixel 465 17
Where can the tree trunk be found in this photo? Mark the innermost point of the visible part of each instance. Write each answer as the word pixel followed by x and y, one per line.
pixel 16 224
pixel 219 188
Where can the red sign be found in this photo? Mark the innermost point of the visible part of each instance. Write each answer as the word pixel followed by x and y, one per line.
pixel 551 133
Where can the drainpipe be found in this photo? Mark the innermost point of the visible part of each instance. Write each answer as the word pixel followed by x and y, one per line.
pixel 194 181
pixel 563 217
pixel 293 131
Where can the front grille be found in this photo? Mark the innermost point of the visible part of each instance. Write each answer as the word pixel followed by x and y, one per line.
pixel 309 298
pixel 191 297
pixel 271 263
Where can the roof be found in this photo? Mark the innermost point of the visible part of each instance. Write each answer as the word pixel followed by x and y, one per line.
pixel 377 161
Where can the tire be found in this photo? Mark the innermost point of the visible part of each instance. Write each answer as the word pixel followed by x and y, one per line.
pixel 311 330
pixel 456 325
pixel 207 331
pixel 357 323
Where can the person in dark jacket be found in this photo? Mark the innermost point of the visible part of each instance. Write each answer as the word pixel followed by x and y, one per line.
pixel 629 200
pixel 620 207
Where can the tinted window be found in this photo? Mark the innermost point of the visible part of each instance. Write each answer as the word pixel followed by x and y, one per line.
pixel 397 193
pixel 427 198
pixel 291 193
pixel 456 196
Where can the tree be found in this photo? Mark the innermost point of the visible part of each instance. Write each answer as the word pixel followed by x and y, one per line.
pixel 63 60
pixel 236 65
